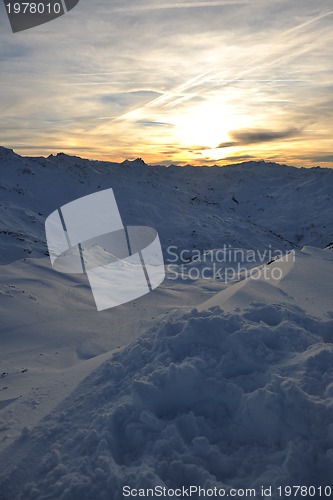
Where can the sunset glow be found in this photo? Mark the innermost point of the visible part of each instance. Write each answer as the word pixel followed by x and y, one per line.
pixel 201 83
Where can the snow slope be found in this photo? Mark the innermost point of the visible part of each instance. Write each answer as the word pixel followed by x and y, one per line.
pixel 202 382
pixel 207 399
pixel 304 279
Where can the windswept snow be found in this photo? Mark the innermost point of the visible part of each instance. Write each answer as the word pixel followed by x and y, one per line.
pixel 301 278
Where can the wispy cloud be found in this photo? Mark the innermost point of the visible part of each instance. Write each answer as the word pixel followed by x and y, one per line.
pixel 320 158
pixel 182 5
pixel 234 158
pixel 247 137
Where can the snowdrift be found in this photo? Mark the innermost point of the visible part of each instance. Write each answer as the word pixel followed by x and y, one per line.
pixel 206 398
pixel 303 278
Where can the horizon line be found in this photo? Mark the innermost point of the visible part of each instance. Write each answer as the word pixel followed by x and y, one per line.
pixel 181 164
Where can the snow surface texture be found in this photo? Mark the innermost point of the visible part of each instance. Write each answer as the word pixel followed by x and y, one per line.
pixel 240 395
pixel 207 399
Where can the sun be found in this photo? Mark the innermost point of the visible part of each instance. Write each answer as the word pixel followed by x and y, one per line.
pixel 207 125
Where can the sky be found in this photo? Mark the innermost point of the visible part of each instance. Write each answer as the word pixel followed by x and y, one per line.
pixel 173 82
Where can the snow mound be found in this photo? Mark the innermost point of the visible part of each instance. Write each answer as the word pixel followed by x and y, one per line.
pixel 208 399
pixel 303 278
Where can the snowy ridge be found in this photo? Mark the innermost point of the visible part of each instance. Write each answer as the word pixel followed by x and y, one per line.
pixel 251 205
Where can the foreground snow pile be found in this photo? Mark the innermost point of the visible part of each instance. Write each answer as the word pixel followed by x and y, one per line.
pixel 208 399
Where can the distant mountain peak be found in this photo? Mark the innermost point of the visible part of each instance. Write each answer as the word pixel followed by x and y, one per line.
pixel 58 155
pixel 137 161
pixel 5 152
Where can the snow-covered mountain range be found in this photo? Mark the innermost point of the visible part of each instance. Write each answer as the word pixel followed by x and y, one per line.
pixel 203 382
pixel 249 205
